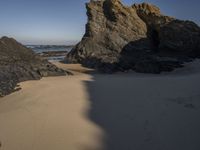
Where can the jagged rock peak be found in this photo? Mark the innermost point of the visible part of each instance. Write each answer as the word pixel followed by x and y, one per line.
pixel 137 37
pixel 147 8
pixel 110 27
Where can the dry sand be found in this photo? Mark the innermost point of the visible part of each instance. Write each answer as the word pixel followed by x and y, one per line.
pixel 113 112
pixel 75 68
pixel 50 114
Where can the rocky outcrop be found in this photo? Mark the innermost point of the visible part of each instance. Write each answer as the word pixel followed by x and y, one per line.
pixel 18 63
pixel 139 37
pixel 110 27
pixel 173 35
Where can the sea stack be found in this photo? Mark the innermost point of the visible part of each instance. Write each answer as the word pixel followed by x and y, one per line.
pixel 137 37
pixel 18 63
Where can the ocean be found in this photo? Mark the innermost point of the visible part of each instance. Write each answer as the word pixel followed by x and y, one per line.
pixel 47 49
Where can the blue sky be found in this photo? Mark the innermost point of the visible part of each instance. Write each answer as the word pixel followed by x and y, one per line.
pixel 63 21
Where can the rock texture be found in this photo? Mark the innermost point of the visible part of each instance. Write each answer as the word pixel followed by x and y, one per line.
pixel 139 37
pixel 18 63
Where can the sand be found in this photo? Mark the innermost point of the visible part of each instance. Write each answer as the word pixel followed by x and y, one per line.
pixel 50 114
pixel 74 68
pixel 104 112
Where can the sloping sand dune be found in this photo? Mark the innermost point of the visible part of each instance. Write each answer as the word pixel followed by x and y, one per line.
pixel 112 112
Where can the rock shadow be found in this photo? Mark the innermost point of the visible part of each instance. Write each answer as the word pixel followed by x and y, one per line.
pixel 135 114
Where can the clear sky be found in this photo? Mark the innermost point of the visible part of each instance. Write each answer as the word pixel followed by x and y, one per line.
pixel 63 21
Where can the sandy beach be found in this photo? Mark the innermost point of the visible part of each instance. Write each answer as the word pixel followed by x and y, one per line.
pixel 50 114
pixel 135 84
pixel 129 111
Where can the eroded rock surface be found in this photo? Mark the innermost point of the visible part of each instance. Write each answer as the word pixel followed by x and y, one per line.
pixel 139 37
pixel 18 63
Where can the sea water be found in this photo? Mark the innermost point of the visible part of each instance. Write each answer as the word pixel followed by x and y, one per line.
pixel 39 49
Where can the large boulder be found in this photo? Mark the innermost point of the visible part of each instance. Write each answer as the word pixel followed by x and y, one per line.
pixel 139 37
pixel 182 37
pixel 110 27
pixel 18 63
pixel 173 35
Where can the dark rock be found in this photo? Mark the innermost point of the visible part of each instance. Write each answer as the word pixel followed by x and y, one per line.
pixel 147 66
pixel 181 37
pixel 140 38
pixel 18 63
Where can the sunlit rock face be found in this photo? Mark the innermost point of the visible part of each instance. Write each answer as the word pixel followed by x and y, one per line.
pixel 139 37
pixel 110 27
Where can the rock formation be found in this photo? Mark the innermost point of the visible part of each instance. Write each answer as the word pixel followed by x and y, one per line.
pixel 18 63
pixel 139 37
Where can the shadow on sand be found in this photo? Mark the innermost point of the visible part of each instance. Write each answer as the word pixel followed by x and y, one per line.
pixel 146 112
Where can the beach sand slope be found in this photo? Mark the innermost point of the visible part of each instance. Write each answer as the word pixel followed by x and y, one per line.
pixel 123 111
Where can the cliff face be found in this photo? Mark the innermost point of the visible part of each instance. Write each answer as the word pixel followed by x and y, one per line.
pixel 18 63
pixel 110 26
pixel 138 37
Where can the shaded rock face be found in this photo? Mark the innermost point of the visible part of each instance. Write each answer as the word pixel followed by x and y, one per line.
pixel 140 38
pixel 18 63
